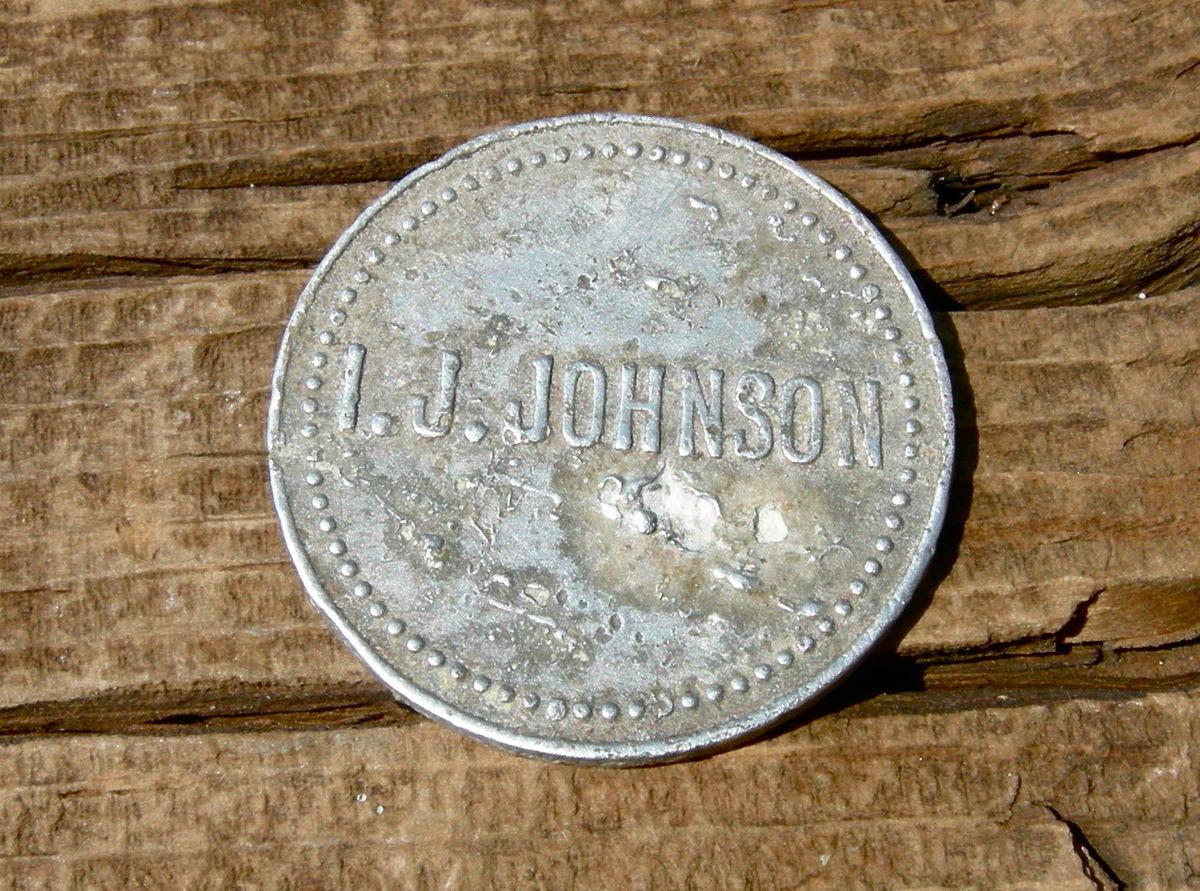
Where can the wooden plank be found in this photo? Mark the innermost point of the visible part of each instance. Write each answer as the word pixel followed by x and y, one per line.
pixel 1080 795
pixel 142 561
pixel 1060 135
pixel 174 713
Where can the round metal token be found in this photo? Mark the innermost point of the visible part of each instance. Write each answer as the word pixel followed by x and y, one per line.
pixel 610 438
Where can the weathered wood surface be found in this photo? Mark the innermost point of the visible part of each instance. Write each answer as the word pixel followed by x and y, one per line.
pixel 133 136
pixel 172 711
pixel 1064 797
pixel 143 552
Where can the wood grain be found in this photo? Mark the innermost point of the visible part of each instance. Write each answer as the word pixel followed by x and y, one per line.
pixel 142 551
pixel 174 713
pixel 1082 795
pixel 1022 153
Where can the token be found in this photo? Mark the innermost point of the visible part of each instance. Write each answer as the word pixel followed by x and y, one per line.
pixel 611 439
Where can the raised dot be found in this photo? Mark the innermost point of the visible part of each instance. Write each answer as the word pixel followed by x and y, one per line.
pixel 912 426
pixel 714 692
pixel 635 709
pixel 883 313
pixel 337 547
pixel 556 709
pixel 762 672
pixel 633 150
pixel 657 153
pixel 458 671
pixel 428 208
pixel 347 295
pixel 491 173
pixel 308 431
pixel 581 710
pixel 808 219
pixel 725 170
pixel 785 658
pixel 449 196
pixel 530 700
pixel 841 252
pixel 900 357
pixel 739 683
pixel 362 276
pixel 911 450
pixel 408 224
pixel 870 292
pixel 391 238
pixel 561 154
pixel 907 475
pixel 843 607
pixel 415 644
pixel 857 587
pixel 348 569
pixel 320 502
pixel 748 181
pixel 584 152
pixel 470 183
pixel 826 236
pixel 810 608
pixel 872 567
pixel 704 163
pixel 319 360
pixel 893 521
pixel 337 317
pixel 791 205
pixel 537 159
pixel 383 424
pixel 884 545
pixel 375 255
pixel 689 700
pixel 376 609
pixel 435 659
pixel 768 193
pixel 857 271
pixel 325 338
pixel 512 165
pixel 313 478
pixel 313 383
pixel 394 627
pixel 826 626
pixel 481 683
pixel 906 379
pixel 475 431
pixel 678 157
pixel 912 403
pixel 362 589
pixel 891 333
pixel 609 711
pixel 505 693
pixel 608 150
pixel 309 406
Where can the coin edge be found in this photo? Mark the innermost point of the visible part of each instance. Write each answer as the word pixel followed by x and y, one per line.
pixel 720 736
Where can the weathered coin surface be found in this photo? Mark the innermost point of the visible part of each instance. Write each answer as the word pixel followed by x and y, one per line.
pixel 610 438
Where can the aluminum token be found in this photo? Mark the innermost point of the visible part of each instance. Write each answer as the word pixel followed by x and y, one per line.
pixel 610 438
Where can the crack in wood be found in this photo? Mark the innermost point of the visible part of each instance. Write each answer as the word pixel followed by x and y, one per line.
pixel 1094 867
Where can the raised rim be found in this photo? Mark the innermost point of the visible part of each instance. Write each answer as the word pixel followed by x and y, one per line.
pixel 674 748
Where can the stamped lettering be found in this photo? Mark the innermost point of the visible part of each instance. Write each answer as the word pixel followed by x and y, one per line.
pixel 447 388
pixel 801 419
